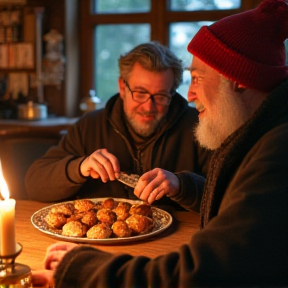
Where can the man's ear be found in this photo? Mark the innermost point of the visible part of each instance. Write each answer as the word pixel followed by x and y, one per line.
pixel 121 86
pixel 239 88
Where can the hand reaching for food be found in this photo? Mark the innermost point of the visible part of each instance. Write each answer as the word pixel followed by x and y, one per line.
pixel 156 183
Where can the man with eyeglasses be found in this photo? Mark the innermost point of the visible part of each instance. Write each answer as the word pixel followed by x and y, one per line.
pixel 145 129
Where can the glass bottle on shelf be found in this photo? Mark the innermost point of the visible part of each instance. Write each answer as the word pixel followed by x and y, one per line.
pixel 90 102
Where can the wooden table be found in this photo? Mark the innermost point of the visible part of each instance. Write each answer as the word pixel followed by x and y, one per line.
pixel 35 242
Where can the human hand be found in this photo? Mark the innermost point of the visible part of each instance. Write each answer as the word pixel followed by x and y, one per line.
pixel 101 164
pixel 156 183
pixel 54 255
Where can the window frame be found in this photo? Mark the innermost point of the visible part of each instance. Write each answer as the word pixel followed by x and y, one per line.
pixel 159 18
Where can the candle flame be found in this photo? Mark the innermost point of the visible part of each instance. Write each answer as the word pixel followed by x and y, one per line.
pixel 3 186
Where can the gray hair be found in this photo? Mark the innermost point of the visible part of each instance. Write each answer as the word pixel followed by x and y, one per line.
pixel 154 57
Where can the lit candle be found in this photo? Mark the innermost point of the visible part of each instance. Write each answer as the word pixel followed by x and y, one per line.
pixel 7 220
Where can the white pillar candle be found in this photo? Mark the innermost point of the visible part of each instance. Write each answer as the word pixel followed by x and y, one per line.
pixel 7 227
pixel 7 220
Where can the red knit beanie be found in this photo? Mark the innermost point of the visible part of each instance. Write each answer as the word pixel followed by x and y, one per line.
pixel 247 47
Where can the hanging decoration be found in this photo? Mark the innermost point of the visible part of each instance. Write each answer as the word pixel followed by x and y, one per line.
pixel 53 61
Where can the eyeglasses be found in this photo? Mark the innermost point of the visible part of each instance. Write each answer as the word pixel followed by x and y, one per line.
pixel 142 97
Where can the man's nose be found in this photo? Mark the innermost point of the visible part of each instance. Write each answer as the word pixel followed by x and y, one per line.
pixel 191 94
pixel 150 104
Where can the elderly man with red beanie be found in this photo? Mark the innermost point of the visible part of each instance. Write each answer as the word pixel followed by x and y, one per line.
pixel 240 88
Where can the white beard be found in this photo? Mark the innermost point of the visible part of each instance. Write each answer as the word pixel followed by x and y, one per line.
pixel 229 113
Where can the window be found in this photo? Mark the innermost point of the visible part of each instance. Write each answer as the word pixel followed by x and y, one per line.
pixel 110 28
pixel 108 47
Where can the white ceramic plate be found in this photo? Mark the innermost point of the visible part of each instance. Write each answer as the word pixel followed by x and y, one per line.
pixel 161 218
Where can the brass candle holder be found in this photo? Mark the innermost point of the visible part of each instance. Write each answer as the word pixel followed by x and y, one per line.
pixel 12 274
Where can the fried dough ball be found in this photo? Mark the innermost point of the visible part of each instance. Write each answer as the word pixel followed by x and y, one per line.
pixel 99 231
pixel 106 216
pixel 121 229
pixel 109 203
pixel 66 208
pixel 141 209
pixel 56 220
pixel 74 228
pixel 89 218
pixel 83 205
pixel 122 210
pixel 76 217
pixel 140 224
